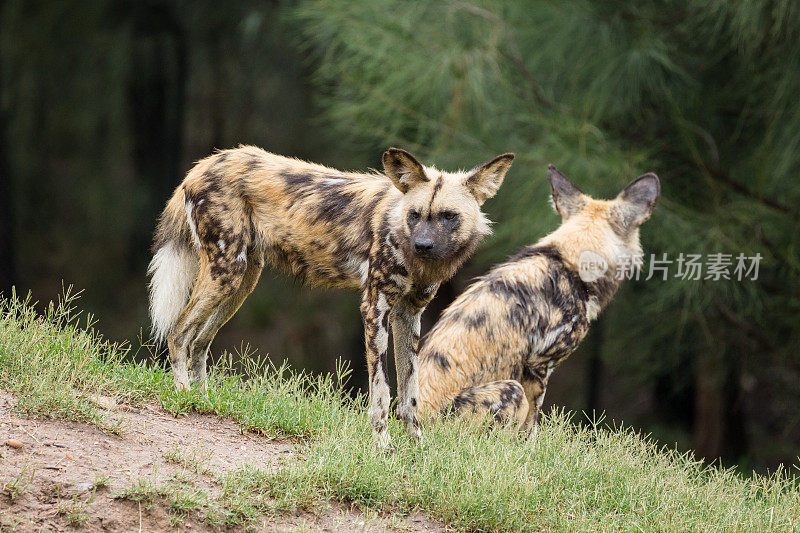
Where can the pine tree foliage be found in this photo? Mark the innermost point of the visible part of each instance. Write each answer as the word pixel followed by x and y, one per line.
pixel 703 93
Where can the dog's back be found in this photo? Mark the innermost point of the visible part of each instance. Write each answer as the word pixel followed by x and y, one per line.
pixel 311 221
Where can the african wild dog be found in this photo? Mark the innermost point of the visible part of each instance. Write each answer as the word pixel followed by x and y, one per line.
pixel 395 236
pixel 495 346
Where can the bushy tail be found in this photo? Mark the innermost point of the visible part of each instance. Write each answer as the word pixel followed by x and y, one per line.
pixel 172 269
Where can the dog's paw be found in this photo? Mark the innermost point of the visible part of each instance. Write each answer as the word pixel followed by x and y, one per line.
pixel 384 442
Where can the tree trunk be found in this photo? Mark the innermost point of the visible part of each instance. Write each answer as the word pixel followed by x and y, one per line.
pixel 156 96
pixel 7 248
pixel 709 407
pixel 594 368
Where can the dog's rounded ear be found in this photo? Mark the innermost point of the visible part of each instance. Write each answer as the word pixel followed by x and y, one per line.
pixel 403 169
pixel 638 199
pixel 484 180
pixel 567 198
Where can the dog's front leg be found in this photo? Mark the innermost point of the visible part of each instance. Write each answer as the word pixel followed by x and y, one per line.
pixel 375 309
pixel 405 328
pixel 534 381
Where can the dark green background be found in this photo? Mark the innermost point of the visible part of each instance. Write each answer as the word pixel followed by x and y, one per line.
pixel 106 104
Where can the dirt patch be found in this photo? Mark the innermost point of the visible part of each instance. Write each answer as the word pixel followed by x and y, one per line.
pixel 66 475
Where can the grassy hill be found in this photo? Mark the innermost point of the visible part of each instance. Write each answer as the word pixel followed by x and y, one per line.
pixel 571 477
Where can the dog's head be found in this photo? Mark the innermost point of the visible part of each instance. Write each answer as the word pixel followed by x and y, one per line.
pixel 441 210
pixel 609 228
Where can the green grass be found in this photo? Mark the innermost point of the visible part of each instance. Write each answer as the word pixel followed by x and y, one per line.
pixel 16 486
pixel 100 481
pixel 143 490
pixel 191 460
pixel 74 511
pixel 571 477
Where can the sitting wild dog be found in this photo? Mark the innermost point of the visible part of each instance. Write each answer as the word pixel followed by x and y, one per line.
pixel 495 346
pixel 396 237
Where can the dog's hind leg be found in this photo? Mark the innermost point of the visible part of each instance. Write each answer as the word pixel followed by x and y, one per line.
pixel 223 270
pixel 504 400
pixel 220 223
pixel 211 290
pixel 202 342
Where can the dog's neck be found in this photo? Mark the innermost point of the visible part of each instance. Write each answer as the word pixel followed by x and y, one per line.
pixel 620 257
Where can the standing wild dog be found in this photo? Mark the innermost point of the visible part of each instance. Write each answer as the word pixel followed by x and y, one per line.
pixel 395 236
pixel 495 346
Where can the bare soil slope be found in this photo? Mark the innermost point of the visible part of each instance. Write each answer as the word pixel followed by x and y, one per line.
pixel 68 475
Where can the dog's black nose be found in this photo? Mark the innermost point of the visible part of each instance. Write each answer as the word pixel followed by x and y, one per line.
pixel 423 246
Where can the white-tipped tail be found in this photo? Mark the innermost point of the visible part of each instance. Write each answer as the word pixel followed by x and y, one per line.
pixel 171 272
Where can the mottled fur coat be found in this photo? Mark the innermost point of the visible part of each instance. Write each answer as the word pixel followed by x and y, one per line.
pixel 494 348
pixel 394 236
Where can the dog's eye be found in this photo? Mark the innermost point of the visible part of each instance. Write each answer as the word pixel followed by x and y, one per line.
pixel 449 215
pixel 413 215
